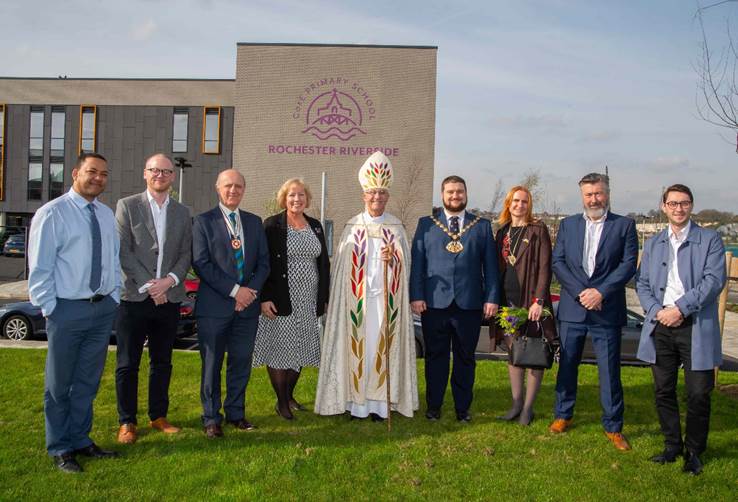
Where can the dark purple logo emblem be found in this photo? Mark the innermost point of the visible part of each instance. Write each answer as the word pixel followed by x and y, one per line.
pixel 334 114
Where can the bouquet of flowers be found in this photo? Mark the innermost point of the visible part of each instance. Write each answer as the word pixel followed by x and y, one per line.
pixel 510 319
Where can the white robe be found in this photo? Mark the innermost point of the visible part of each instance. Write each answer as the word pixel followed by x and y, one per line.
pixel 353 373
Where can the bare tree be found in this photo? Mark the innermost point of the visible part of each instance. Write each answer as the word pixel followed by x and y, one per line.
pixel 498 194
pixel 717 85
pixel 532 181
pixel 405 204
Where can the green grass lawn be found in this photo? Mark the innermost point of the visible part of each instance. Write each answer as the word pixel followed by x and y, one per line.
pixel 334 458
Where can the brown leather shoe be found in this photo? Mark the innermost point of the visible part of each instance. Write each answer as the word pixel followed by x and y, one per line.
pixel 560 425
pixel 213 431
pixel 127 434
pixel 617 439
pixel 161 424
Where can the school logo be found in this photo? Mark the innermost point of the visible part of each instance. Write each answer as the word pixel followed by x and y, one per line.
pixel 336 108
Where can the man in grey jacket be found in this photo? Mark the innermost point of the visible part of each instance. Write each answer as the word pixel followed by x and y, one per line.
pixel 681 275
pixel 155 254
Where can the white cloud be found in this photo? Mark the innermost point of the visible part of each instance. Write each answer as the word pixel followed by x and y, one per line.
pixel 599 136
pixel 143 31
pixel 669 163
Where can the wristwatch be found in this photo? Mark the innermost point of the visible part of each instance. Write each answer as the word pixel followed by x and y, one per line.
pixel 538 301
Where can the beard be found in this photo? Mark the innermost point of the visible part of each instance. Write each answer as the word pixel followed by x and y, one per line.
pixel 596 212
pixel 455 209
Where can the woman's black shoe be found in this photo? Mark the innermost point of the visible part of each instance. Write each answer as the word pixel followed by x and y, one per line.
pixel 286 417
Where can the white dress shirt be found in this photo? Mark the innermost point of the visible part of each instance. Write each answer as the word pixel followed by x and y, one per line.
pixel 674 287
pixel 461 214
pixel 592 235
pixel 159 214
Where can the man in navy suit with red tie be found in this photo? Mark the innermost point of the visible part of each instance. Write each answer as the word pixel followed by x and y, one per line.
pixel 230 255
pixel 594 257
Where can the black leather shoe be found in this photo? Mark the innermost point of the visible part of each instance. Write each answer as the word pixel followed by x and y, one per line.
pixel 95 451
pixel 67 463
pixel 376 418
pixel 692 464
pixel 433 414
pixel 289 415
pixel 242 424
pixel 666 457
pixel 295 406
pixel 463 416
pixel 213 431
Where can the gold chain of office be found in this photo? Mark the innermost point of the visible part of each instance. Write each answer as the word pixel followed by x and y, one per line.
pixel 455 246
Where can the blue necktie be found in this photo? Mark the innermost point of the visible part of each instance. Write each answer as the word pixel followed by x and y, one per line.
pixel 237 252
pixel 454 225
pixel 96 265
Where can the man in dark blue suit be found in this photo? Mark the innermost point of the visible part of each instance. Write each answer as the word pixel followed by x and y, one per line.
pixel 453 286
pixel 594 257
pixel 230 255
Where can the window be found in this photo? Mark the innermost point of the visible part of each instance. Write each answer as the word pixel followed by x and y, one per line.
pixel 211 129
pixel 56 179
pixel 58 120
pixel 179 130
pixel 36 134
pixel 34 180
pixel 87 128
pixel 2 152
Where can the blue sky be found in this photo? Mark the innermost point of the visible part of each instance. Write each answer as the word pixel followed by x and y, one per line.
pixel 559 86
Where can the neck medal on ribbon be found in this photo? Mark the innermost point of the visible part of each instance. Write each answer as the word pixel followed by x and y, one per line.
pixel 455 246
pixel 233 229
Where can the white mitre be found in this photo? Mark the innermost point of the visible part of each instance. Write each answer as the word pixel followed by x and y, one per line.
pixel 376 172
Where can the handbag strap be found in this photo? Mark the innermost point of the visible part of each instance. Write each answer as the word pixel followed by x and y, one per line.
pixel 539 329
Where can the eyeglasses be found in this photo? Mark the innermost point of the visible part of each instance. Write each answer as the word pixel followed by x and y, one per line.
pixel 672 204
pixel 157 172
pixel 378 193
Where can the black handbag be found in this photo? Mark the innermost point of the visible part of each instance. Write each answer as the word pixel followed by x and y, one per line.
pixel 531 351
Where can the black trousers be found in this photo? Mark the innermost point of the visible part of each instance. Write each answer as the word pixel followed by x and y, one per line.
pixel 450 330
pixel 674 348
pixel 136 322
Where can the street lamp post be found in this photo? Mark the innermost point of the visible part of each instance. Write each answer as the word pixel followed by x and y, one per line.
pixel 182 163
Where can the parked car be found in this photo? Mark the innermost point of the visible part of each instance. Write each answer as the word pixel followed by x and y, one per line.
pixel 6 232
pixel 192 284
pixel 15 245
pixel 24 321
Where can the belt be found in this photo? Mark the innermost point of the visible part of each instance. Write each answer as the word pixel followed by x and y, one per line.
pixel 93 299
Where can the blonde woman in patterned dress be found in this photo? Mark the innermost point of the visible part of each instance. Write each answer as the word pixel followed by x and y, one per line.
pixel 294 296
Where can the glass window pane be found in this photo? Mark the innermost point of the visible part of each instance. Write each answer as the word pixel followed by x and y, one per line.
pixel 57 147
pixel 87 142
pixel 34 181
pixel 179 146
pixel 56 180
pixel 36 137
pixel 179 131
pixel 212 126
pixel 57 124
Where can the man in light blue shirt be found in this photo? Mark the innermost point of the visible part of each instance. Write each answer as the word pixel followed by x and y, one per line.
pixel 75 278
